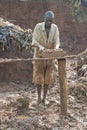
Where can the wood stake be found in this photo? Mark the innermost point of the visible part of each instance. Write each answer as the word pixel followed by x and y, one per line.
pixel 63 85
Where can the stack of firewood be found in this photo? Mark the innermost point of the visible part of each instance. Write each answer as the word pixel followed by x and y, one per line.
pixel 23 37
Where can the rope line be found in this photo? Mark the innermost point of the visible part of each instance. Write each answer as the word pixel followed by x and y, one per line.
pixel 8 60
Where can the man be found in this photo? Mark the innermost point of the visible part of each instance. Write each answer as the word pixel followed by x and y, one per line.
pixel 45 36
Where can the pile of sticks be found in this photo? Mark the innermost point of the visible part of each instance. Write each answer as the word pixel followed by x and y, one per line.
pixel 23 37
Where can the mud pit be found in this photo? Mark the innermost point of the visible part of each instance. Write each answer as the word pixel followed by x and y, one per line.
pixel 48 117
pixel 16 78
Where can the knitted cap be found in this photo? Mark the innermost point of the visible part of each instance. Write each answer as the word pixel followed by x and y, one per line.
pixel 49 14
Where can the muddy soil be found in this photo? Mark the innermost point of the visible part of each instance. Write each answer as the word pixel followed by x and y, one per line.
pixel 46 117
pixel 16 78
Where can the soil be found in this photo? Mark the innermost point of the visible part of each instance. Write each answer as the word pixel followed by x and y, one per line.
pixel 16 77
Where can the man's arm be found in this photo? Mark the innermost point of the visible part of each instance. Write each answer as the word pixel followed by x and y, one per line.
pixel 56 38
pixel 36 37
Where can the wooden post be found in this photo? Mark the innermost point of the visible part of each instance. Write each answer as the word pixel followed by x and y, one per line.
pixel 63 85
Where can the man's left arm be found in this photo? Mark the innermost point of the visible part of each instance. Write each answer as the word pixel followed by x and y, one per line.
pixel 56 38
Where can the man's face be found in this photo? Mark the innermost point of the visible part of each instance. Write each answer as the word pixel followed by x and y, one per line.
pixel 48 22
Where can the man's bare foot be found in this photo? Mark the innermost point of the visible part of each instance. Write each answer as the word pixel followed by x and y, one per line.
pixel 39 101
pixel 45 102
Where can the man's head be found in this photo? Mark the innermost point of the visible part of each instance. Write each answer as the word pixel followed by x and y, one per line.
pixel 48 18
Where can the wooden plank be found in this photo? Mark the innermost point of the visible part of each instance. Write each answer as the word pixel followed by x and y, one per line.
pixel 63 85
pixel 53 53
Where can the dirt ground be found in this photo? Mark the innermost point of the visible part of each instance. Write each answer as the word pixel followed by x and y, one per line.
pixel 16 77
pixel 44 117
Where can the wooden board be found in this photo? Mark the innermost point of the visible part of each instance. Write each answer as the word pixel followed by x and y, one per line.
pixel 53 53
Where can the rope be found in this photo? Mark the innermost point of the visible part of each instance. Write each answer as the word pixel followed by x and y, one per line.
pixel 6 60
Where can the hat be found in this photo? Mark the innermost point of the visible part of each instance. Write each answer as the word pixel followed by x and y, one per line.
pixel 49 14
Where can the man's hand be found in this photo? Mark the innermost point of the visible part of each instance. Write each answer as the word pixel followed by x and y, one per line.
pixel 41 48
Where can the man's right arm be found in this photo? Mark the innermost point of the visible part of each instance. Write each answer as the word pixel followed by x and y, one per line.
pixel 36 37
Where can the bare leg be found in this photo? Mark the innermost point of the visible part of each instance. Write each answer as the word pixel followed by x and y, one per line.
pixel 45 93
pixel 39 88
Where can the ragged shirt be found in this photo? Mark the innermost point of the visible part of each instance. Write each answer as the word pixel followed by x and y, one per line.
pixel 40 37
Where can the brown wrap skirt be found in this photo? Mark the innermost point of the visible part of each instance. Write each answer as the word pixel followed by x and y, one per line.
pixel 43 72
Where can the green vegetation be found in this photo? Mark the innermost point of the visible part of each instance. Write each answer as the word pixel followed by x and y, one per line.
pixel 79 12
